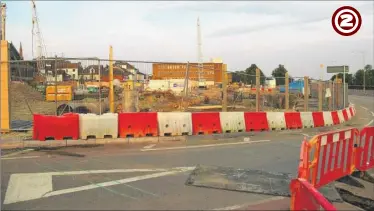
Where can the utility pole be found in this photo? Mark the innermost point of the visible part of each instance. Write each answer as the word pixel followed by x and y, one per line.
pixel 224 88
pixel 3 20
pixel 111 91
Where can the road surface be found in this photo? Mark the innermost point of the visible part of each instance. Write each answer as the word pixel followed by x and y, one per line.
pixel 150 176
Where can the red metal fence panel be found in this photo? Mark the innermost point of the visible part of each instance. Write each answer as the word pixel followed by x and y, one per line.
pixel 318 119
pixel 137 124
pixel 335 117
pixel 206 123
pixel 364 157
pixel 56 127
pixel 293 120
pixel 333 156
pixel 256 121
pixel 305 197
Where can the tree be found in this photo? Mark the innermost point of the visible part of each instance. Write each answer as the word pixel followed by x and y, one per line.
pixel 279 74
pixel 348 78
pixel 248 75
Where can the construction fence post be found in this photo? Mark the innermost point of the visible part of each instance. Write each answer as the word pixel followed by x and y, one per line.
pixel 99 67
pixel 330 98
pixel 111 91
pixel 320 95
pixel 306 93
pixel 257 90
pixel 224 88
pixel 286 92
pixel 55 70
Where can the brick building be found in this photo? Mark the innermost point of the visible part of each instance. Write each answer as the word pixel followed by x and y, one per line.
pixel 210 72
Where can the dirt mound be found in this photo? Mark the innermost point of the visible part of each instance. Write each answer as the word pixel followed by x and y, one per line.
pixel 25 100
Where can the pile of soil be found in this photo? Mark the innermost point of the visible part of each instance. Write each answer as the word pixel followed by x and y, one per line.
pixel 25 100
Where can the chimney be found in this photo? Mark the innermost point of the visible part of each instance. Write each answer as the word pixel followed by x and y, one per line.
pixel 20 50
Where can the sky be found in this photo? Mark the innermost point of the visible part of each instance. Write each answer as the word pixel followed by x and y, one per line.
pixel 297 34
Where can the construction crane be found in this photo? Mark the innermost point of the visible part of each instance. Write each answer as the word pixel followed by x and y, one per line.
pixel 201 82
pixel 39 41
pixel 3 19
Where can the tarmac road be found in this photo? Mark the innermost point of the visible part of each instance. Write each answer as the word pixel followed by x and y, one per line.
pixel 150 176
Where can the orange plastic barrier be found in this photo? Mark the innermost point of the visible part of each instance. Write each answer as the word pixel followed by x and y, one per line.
pixel 345 115
pixel 333 157
pixel 305 197
pixel 138 124
pixel 318 119
pixel 364 155
pixel 206 123
pixel 293 120
pixel 57 127
pixel 256 121
pixel 335 117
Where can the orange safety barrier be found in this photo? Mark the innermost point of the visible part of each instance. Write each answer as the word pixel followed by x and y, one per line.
pixel 335 117
pixel 345 115
pixel 206 123
pixel 293 120
pixel 305 197
pixel 333 157
pixel 318 119
pixel 364 155
pixel 56 127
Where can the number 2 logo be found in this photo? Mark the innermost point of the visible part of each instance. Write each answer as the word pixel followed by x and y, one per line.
pixel 346 21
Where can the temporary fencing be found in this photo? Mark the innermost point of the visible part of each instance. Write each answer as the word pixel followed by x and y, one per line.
pixel 335 117
pixel 326 158
pixel 306 197
pixel 206 123
pixel 276 120
pixel 174 123
pixel 98 126
pixel 307 119
pixel 137 124
pixel 365 149
pixel 327 117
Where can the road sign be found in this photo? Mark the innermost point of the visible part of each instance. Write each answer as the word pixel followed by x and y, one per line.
pixel 337 69
pixel 346 21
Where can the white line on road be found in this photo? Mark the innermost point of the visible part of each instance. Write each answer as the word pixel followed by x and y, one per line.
pixel 25 187
pixel 17 153
pixel 369 123
pixel 13 158
pixel 372 113
pixel 149 146
pixel 202 146
pixel 242 206
pixel 363 107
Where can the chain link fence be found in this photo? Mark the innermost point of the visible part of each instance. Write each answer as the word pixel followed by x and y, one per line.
pixel 82 86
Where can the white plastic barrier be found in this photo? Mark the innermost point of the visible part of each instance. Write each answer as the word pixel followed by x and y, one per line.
pixel 98 125
pixel 327 118
pixel 341 116
pixel 276 120
pixel 307 119
pixel 348 113
pixel 174 123
pixel 232 121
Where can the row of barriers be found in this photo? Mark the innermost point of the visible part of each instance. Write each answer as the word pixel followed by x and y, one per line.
pixel 141 124
pixel 326 158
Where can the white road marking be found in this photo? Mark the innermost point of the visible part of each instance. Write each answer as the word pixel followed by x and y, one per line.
pixel 363 107
pixel 304 134
pixel 372 113
pixel 25 187
pixel 149 146
pixel 203 146
pixel 13 158
pixel 17 153
pixel 369 123
pixel 242 206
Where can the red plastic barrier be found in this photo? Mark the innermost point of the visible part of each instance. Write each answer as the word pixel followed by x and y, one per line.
pixel 206 123
pixel 138 124
pixel 305 197
pixel 345 115
pixel 256 121
pixel 318 119
pixel 351 110
pixel 364 159
pixel 329 164
pixel 293 120
pixel 335 117
pixel 57 127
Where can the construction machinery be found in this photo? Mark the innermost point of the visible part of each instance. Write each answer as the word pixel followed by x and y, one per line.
pixel 202 83
pixel 37 41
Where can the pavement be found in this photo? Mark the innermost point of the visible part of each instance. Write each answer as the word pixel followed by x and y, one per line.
pixel 152 176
